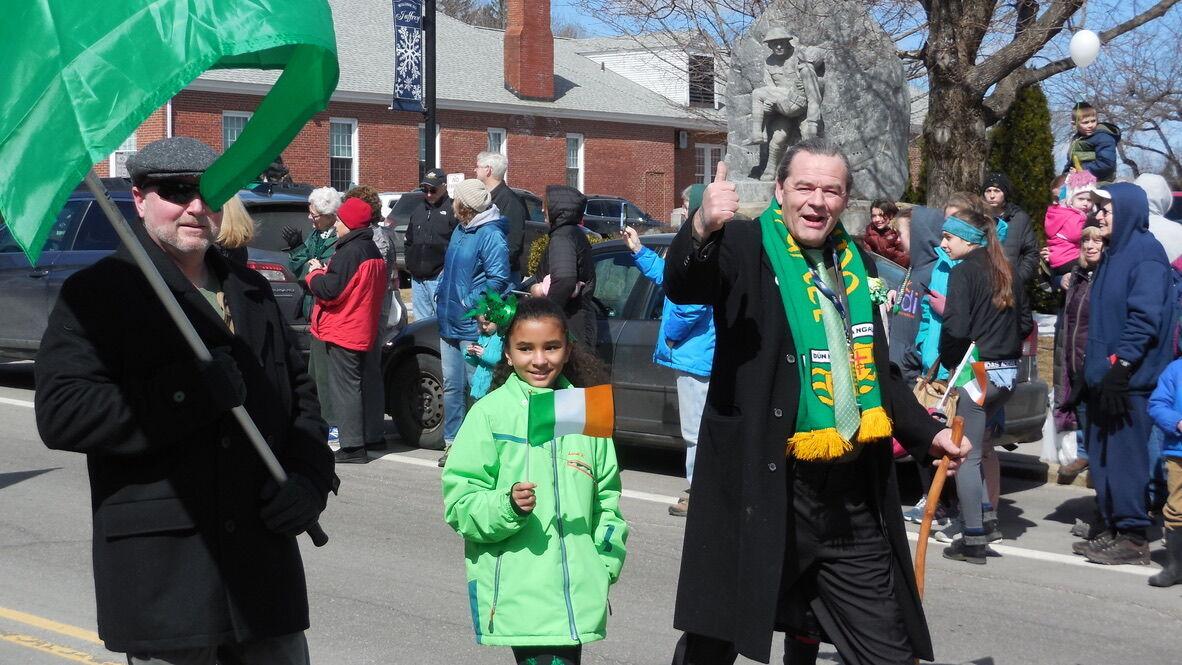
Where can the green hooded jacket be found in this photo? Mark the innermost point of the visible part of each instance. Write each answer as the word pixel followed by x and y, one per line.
pixel 318 245
pixel 539 579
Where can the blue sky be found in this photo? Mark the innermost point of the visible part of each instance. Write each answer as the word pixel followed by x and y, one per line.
pixel 568 10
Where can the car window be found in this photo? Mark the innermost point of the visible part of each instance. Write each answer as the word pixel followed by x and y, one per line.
pixel 611 209
pixel 269 221
pixel 615 275
pixel 595 208
pixel 67 220
pixel 401 210
pixel 534 207
pixel 96 232
pixel 656 304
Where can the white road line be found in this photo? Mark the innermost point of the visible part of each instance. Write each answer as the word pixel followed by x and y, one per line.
pixel 1004 550
pixel 16 402
pixel 1053 557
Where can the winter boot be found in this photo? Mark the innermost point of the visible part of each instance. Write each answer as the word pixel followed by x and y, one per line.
pixel 1068 473
pixel 1172 573
pixel 1126 548
pixel 992 525
pixel 351 456
pixel 1098 537
pixel 964 550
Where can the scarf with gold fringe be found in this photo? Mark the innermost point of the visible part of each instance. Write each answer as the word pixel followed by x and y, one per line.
pixel 816 437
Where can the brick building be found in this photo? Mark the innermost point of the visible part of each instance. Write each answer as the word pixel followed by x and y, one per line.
pixel 557 114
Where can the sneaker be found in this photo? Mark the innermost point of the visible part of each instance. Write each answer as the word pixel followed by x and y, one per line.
pixel 952 532
pixel 351 456
pixel 915 515
pixel 681 508
pixel 1123 549
pixel 1069 472
pixel 334 436
pixel 961 551
pixel 443 457
pixel 1102 540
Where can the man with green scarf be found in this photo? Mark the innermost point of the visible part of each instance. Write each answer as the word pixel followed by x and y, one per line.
pixel 796 523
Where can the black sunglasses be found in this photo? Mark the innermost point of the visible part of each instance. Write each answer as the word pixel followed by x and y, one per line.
pixel 177 191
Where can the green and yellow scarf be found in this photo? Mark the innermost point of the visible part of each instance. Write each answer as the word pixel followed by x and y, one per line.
pixel 816 437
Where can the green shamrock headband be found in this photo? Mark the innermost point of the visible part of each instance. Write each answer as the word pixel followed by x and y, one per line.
pixel 496 309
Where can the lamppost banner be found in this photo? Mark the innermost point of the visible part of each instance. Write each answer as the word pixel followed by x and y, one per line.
pixel 408 55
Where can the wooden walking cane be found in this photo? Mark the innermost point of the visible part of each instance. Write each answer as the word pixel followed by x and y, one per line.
pixel 929 510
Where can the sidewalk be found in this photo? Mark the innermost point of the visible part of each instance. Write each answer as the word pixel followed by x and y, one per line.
pixel 1024 463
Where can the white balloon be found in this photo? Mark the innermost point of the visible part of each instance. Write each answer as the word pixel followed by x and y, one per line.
pixel 1085 46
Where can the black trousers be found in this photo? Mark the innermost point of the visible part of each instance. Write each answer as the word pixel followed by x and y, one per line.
pixel 838 574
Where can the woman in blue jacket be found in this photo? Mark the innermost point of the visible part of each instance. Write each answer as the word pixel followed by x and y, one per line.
pixel 477 260
pixel 686 345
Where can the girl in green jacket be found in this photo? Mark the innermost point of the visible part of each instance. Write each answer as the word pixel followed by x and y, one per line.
pixel 543 534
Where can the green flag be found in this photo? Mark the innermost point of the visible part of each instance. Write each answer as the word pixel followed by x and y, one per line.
pixel 83 74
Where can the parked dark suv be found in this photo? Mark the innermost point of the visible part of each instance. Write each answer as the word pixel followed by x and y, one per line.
pixel 645 393
pixel 82 235
pixel 606 215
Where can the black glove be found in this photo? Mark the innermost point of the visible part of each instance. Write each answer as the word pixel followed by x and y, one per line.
pixel 1114 392
pixel 221 376
pixel 293 237
pixel 293 507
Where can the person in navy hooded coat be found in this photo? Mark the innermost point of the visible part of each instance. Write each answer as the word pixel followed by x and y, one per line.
pixel 1132 306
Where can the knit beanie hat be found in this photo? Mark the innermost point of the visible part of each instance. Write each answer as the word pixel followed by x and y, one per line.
pixel 1079 182
pixel 355 213
pixel 472 193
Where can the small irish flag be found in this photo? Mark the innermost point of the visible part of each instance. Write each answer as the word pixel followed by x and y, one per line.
pixel 588 411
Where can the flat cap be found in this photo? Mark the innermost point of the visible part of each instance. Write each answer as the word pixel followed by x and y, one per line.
pixel 168 158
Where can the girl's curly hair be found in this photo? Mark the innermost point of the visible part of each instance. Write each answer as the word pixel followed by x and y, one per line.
pixel 583 368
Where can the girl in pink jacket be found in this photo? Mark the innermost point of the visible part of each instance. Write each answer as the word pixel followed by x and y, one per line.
pixel 1065 220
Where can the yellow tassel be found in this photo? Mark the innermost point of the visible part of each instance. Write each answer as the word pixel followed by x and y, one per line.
pixel 875 425
pixel 820 445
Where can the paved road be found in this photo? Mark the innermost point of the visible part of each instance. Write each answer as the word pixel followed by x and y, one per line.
pixel 389 588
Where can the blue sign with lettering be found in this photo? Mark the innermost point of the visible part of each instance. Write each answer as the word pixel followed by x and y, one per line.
pixel 408 55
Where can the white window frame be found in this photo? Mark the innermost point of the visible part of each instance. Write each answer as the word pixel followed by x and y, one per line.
pixel 233 114
pixel 708 176
pixel 355 167
pixel 582 164
pixel 127 148
pixel 438 131
pixel 504 142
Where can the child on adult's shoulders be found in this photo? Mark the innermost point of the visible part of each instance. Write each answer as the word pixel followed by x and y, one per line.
pixel 1093 148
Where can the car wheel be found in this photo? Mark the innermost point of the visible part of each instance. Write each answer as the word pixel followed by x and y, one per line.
pixel 415 401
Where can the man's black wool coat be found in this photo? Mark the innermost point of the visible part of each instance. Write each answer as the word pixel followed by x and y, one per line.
pixel 736 539
pixel 181 557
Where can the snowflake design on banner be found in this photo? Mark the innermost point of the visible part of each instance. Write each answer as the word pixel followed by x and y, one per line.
pixel 409 73
pixel 408 55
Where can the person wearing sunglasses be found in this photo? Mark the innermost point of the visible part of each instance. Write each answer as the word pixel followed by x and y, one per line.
pixel 428 233
pixel 194 547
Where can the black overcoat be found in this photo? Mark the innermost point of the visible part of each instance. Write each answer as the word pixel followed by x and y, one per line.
pixel 181 557
pixel 736 535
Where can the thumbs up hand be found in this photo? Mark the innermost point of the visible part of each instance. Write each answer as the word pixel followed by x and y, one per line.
pixel 719 204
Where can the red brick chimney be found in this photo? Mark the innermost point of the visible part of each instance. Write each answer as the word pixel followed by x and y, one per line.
pixel 529 50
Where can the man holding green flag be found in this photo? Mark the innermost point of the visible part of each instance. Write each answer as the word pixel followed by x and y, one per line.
pixel 195 510
pixel 796 510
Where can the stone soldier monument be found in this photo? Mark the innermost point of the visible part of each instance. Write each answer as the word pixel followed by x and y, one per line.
pixel 787 108
pixel 817 67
